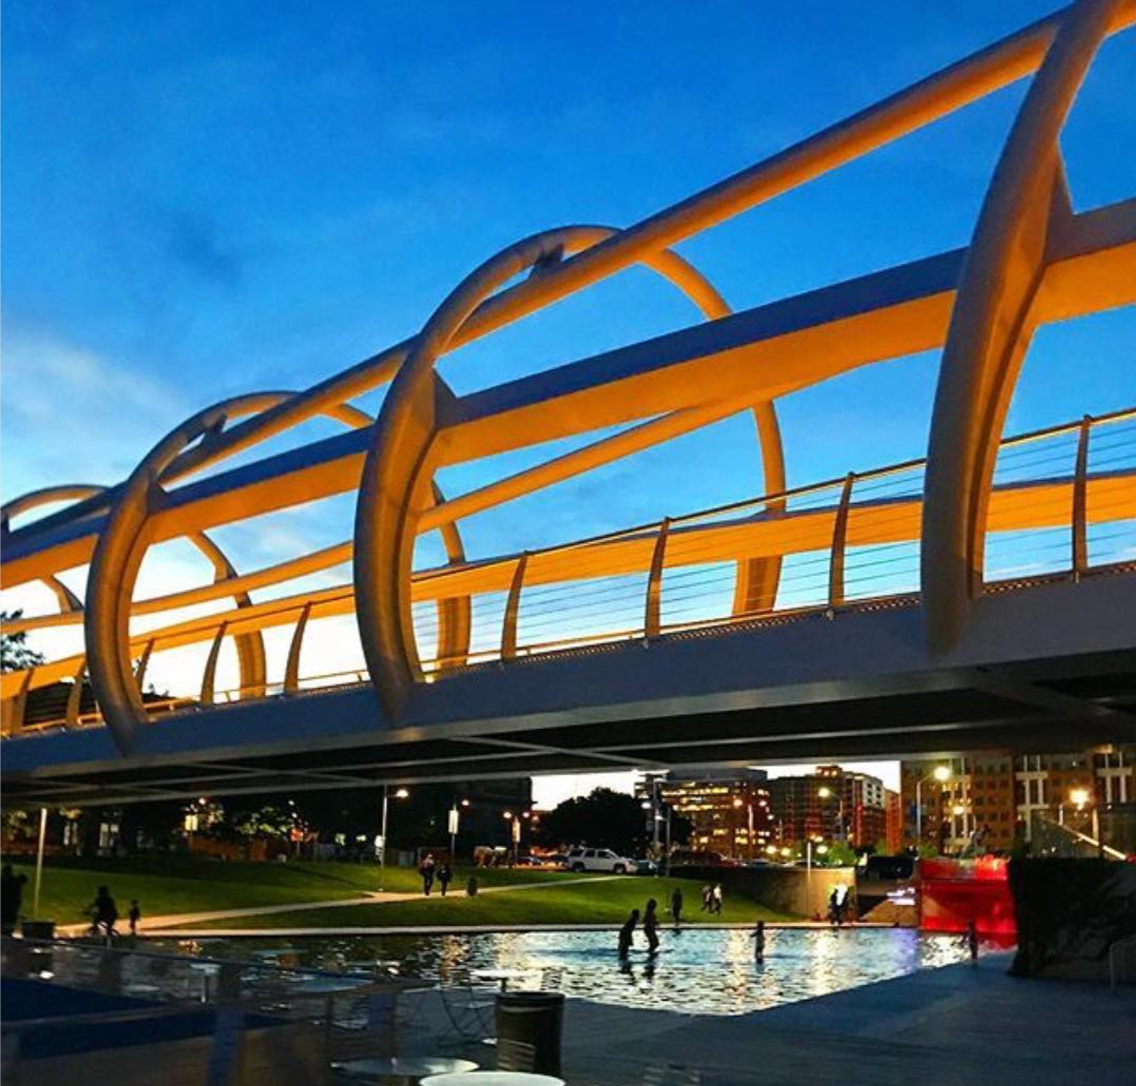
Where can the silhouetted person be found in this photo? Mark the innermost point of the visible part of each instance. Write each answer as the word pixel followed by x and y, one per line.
pixel 11 898
pixel 444 877
pixel 676 905
pixel 707 898
pixel 759 941
pixel 972 941
pixel 834 908
pixel 426 870
pixel 105 913
pixel 625 933
pixel 651 926
pixel 135 915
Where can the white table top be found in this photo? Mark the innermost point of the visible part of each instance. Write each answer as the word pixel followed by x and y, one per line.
pixel 493 1078
pixel 406 1066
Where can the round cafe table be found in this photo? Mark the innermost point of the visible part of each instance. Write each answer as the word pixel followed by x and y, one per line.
pixel 501 976
pixel 400 1069
pixel 493 1078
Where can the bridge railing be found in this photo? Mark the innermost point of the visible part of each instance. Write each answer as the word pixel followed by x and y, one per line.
pixel 1062 505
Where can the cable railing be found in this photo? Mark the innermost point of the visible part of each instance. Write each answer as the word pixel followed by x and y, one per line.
pixel 1062 505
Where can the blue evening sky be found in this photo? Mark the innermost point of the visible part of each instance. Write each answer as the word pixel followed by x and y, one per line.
pixel 208 198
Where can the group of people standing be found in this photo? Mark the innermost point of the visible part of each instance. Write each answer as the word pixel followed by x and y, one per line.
pixel 712 898
pixel 650 929
pixel 429 870
pixel 711 902
pixel 103 912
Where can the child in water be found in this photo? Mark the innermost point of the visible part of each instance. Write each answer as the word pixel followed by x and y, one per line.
pixel 759 941
pixel 626 931
pixel 651 926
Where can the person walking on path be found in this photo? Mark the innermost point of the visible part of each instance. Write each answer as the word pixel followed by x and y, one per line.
pixel 716 899
pixel 426 870
pixel 676 905
pixel 834 908
pixel 651 926
pixel 11 898
pixel 444 876
pixel 135 915
pixel 759 942
pixel 626 932
pixel 707 898
pixel 105 914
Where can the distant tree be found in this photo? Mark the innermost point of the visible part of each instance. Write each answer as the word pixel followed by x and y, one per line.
pixel 840 854
pixel 603 819
pixel 267 821
pixel 15 655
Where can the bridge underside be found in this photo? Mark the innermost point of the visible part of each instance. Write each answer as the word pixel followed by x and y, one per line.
pixel 1047 668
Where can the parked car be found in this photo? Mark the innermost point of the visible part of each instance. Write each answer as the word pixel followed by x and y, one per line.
pixel 599 859
pixel 646 867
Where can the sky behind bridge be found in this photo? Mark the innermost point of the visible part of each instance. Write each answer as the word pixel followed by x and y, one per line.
pixel 211 198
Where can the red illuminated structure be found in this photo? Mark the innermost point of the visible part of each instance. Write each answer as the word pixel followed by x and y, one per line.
pixel 954 892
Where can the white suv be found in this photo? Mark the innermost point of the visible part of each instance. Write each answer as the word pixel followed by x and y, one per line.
pixel 598 859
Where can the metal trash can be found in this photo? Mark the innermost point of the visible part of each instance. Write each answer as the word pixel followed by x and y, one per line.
pixel 529 1029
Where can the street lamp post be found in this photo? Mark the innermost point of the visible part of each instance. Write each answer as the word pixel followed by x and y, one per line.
pixel 827 793
pixel 942 774
pixel 455 820
pixel 515 832
pixel 1081 798
pixel 400 793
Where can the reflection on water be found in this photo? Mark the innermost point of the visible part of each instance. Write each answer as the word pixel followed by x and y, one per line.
pixel 696 971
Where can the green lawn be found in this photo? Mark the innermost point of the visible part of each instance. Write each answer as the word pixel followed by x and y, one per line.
pixel 593 902
pixel 166 884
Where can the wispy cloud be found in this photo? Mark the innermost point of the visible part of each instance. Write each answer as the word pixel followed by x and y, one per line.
pixel 72 414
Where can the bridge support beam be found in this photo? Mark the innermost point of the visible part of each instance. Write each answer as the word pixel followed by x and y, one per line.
pixel 992 323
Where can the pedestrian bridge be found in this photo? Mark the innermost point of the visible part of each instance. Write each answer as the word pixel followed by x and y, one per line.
pixel 981 596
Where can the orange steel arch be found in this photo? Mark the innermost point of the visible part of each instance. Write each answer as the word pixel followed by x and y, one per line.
pixel 993 322
pixel 123 543
pixel 1030 261
pixel 392 494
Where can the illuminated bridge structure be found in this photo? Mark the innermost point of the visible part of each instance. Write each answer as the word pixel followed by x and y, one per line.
pixel 984 596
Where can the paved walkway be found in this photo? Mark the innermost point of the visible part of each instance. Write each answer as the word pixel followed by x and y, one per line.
pixel 154 925
pixel 956 1026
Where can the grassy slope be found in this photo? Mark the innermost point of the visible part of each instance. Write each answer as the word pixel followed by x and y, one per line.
pixel 604 901
pixel 182 884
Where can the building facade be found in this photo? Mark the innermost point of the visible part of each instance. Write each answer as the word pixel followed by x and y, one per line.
pixel 992 801
pixel 729 809
pixel 830 805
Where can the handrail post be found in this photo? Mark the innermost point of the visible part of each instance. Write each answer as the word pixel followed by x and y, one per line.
pixel 292 669
pixel 143 663
pixel 839 545
pixel 1081 500
pixel 652 619
pixel 75 697
pixel 207 679
pixel 512 610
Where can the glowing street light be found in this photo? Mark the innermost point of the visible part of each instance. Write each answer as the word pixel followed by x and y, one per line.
pixel 827 793
pixel 1079 797
pixel 400 793
pixel 942 774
